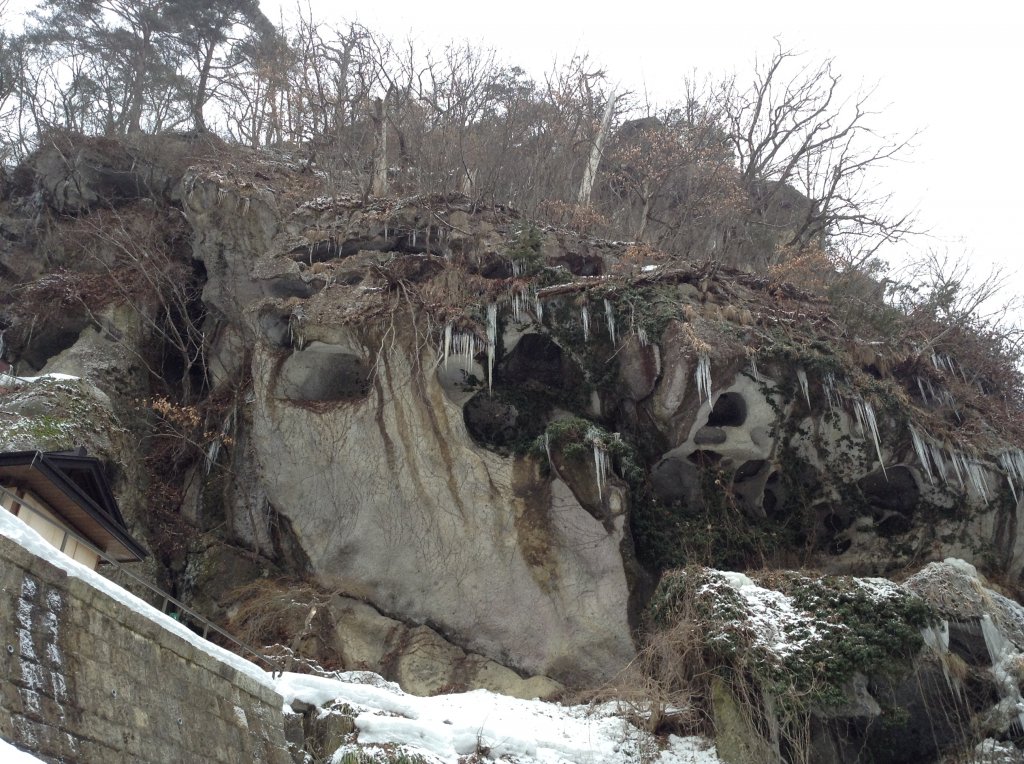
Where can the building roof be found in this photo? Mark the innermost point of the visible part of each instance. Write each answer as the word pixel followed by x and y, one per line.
pixel 74 487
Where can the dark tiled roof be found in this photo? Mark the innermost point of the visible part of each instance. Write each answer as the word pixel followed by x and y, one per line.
pixel 74 486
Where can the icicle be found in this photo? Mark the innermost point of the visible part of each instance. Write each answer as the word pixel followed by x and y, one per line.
pixel 1013 462
pixel 585 317
pixel 610 316
pixel 641 336
pixel 211 455
pixel 959 465
pixel 830 391
pixel 703 376
pixel 600 466
pixel 753 369
pixel 1000 652
pixel 515 307
pixel 538 308
pixel 295 338
pixel 866 418
pixel 245 207
pixel 801 377
pixel 920 387
pixel 447 342
pixel 547 449
pixel 385 231
pixel 977 478
pixel 657 361
pixel 935 452
pixel 461 345
pixel 414 237
pixel 601 461
pixel 922 453
pixel 492 340
pixel 214 449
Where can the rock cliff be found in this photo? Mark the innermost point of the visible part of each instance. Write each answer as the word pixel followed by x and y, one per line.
pixel 472 428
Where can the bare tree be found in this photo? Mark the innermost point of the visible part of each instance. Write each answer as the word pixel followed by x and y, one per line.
pixel 793 127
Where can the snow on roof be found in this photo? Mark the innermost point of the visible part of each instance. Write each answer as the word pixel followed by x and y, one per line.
pixel 444 727
pixel 20 533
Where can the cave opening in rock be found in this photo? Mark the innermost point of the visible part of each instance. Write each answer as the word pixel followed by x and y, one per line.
pixel 506 421
pixel 749 470
pixel 730 410
pixel 705 458
pixel 323 373
pixel 893 489
pixel 537 361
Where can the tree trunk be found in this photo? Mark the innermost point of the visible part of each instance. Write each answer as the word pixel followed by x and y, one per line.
pixel 200 100
pixel 379 181
pixel 590 174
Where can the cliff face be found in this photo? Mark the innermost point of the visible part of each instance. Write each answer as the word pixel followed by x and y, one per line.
pixel 473 423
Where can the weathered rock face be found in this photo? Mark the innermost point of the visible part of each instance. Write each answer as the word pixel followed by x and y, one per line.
pixel 393 502
pixel 505 432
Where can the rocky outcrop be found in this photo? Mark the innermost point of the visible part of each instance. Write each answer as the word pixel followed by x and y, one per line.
pixel 503 433
pixel 836 669
pixel 388 490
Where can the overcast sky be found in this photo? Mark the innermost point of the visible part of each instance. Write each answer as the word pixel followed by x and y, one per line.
pixel 953 74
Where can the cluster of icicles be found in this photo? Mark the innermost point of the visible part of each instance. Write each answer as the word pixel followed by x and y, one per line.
pixel 465 345
pixel 602 462
pixel 939 461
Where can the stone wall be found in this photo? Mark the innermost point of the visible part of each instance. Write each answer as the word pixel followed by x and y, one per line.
pixel 84 678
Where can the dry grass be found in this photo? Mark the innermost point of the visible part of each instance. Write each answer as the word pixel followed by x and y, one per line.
pixel 291 614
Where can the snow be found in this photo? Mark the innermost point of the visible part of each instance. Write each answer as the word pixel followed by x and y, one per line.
pixel 11 755
pixel 963 566
pixel 445 727
pixel 6 380
pixel 17 531
pixel 736 580
pixel 776 624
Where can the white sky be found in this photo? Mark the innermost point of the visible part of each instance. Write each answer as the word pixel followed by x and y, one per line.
pixel 951 72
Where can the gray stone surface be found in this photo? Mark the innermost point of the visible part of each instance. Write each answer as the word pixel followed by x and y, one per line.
pixel 85 679
pixel 393 503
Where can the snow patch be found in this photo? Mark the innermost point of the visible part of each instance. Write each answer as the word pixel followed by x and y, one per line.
pixel 444 728
pixel 11 755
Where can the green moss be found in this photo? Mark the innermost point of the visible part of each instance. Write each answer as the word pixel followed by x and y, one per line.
pixel 524 251
pixel 73 417
pixel 574 438
pixel 830 629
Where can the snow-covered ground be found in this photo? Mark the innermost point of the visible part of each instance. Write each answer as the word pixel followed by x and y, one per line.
pixel 11 755
pixel 439 729
pixel 443 728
